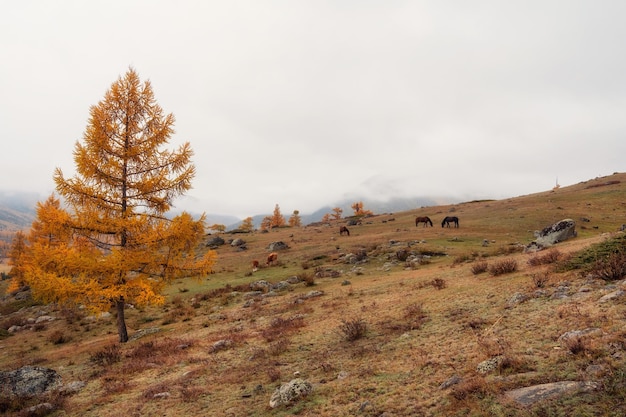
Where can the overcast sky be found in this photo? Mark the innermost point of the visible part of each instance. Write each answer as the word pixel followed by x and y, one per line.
pixel 307 103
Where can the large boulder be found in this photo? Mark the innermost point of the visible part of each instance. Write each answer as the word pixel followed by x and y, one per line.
pixel 28 381
pixel 558 232
pixel 214 242
pixel 274 246
pixel 290 391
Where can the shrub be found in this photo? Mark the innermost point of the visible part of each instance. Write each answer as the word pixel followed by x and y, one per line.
pixel 550 257
pixel 308 279
pixel 438 283
pixel 540 280
pixel 611 268
pixel 505 266
pixel 58 337
pixel 106 356
pixel 479 267
pixel 353 329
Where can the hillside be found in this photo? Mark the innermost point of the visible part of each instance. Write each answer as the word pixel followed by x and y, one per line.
pixel 374 335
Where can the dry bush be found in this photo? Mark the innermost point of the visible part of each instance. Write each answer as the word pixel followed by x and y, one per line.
pixel 471 387
pixel 438 283
pixel 479 267
pixel 106 356
pixel 58 337
pixel 353 329
pixel 273 373
pixel 576 345
pixel 279 327
pixel 540 280
pixel 278 347
pixel 505 266
pixel 550 257
pixel 115 384
pixel 611 268
pixel 308 279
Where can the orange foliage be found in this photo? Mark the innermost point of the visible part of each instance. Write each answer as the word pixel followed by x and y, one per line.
pixel 114 244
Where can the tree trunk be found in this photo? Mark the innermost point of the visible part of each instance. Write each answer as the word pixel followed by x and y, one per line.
pixel 121 322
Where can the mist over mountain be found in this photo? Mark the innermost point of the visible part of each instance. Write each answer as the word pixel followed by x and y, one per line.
pixel 18 209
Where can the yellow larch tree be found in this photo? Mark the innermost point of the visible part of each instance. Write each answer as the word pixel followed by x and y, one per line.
pixel 277 219
pixel 266 223
pixel 18 260
pixel 295 220
pixel 337 212
pixel 114 244
pixel 247 225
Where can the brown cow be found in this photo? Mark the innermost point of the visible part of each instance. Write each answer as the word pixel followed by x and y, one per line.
pixel 255 265
pixel 272 258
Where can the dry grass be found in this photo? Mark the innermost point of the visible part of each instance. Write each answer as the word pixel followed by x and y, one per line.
pixel 409 327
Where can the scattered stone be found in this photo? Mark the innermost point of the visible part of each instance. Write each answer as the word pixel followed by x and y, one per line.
pixel 517 298
pixel 612 296
pixel 143 332
pixel 274 246
pixel 73 387
pixel 28 381
pixel 453 380
pixel 576 334
pixel 530 395
pixel 214 242
pixel 162 395
pixel 238 242
pixel 490 364
pixel 43 319
pixel 222 344
pixel 290 392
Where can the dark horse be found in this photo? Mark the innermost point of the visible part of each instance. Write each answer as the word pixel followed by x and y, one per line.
pixel 450 219
pixel 426 220
pixel 344 229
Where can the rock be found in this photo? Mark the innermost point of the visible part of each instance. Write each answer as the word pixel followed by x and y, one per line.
pixel 214 241
pixel 574 334
pixel 558 232
pixel 73 387
pixel 238 242
pixel 43 319
pixel 274 246
pixel 222 344
pixel 290 391
pixel 28 381
pixel 612 296
pixel 490 364
pixel 530 395
pixel 453 380
pixel 260 285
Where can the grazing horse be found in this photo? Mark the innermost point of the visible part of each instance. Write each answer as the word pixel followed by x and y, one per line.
pixel 342 230
pixel 255 265
pixel 272 258
pixel 450 219
pixel 426 220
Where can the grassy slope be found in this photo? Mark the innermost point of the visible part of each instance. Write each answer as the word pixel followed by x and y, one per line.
pixel 418 336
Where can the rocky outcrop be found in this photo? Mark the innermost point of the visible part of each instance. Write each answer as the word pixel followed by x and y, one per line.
pixel 558 232
pixel 290 391
pixel 28 381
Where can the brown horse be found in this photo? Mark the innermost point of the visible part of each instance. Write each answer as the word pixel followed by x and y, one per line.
pixel 426 220
pixel 344 229
pixel 272 258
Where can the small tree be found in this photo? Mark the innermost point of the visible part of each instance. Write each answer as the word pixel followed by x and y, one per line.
pixel 266 223
pixel 247 225
pixel 295 220
pixel 277 219
pixel 218 228
pixel 18 260
pixel 359 210
pixel 115 245
pixel 326 218
pixel 337 212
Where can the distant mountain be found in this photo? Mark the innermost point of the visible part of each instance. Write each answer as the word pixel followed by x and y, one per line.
pixel 376 206
pixel 17 210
